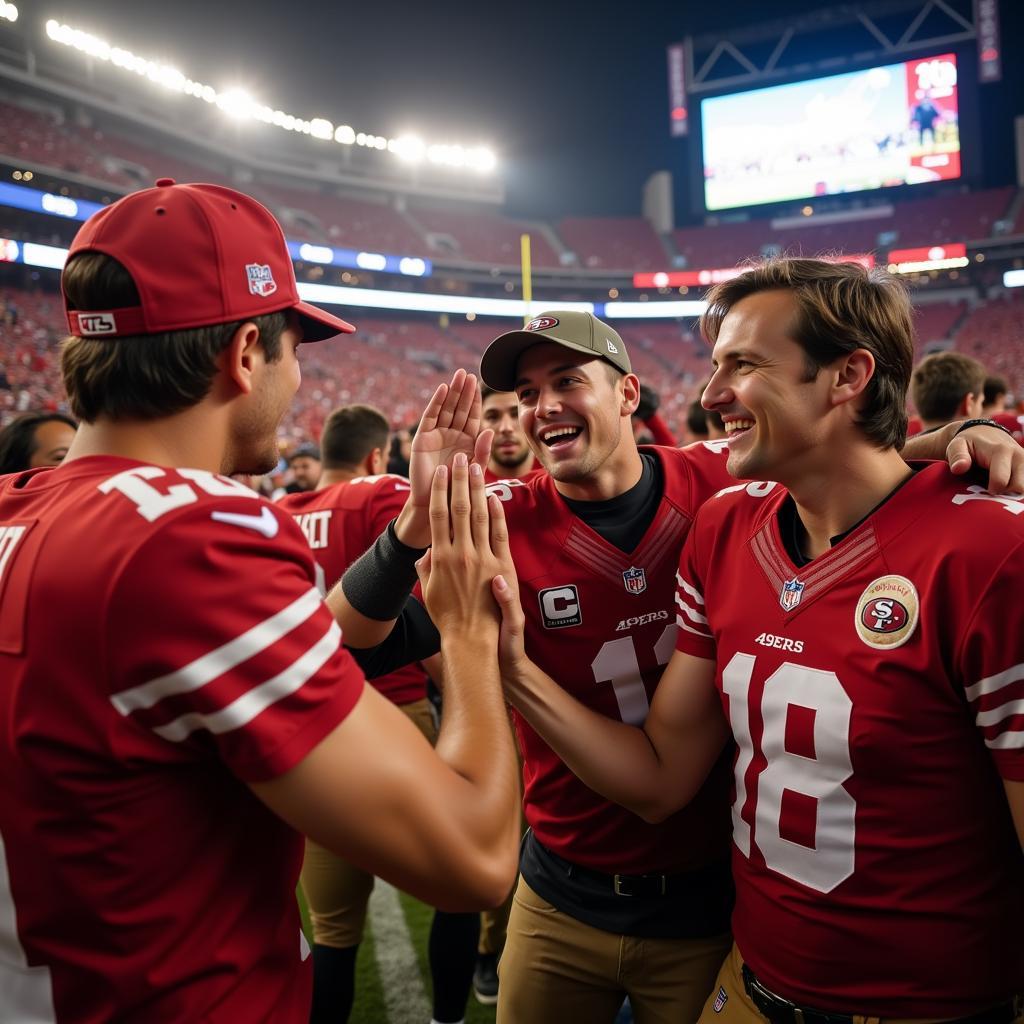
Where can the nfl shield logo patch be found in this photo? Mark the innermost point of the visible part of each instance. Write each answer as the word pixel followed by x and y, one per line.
pixel 789 596
pixel 635 580
pixel 721 999
pixel 261 280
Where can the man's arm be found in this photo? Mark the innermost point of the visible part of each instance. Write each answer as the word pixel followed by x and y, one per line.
pixel 652 771
pixel 450 424
pixel 985 446
pixel 439 823
pixel 1015 795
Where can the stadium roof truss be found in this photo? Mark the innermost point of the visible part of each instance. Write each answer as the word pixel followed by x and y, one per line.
pixel 823 41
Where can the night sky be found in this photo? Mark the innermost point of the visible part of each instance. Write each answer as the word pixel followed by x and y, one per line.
pixel 572 95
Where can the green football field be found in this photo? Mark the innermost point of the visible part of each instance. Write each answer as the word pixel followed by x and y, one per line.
pixel 392 978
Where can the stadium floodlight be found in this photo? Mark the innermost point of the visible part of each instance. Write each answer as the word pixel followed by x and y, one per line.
pixel 8 11
pixel 1013 279
pixel 237 103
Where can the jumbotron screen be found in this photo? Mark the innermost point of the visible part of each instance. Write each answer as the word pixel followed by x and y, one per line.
pixel 891 125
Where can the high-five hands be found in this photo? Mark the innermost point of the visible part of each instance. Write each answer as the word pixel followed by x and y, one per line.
pixel 450 425
pixel 469 553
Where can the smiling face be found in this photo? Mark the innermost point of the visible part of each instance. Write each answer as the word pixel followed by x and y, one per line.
pixel 774 413
pixel 572 409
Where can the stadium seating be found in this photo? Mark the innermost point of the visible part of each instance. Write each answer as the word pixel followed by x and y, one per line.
pixel 35 138
pixel 484 237
pixel 613 243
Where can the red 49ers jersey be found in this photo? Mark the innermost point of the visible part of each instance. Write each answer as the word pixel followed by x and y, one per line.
pixel 875 695
pixel 162 643
pixel 490 477
pixel 341 522
pixel 601 623
pixel 1013 422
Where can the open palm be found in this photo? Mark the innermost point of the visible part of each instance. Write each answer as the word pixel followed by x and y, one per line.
pixel 450 424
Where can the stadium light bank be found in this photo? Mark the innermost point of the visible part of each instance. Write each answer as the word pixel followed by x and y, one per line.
pixel 8 12
pixel 238 104
pixel 52 257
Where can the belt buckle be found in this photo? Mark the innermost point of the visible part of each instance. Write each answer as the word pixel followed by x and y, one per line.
pixel 622 883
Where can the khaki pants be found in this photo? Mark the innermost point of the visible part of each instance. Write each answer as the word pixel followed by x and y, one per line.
pixel 737 1008
pixel 337 892
pixel 556 969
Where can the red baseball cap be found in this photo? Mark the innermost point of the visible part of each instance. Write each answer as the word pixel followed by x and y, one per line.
pixel 199 255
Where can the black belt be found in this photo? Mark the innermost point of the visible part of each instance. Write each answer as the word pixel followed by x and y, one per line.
pixel 626 885
pixel 782 1011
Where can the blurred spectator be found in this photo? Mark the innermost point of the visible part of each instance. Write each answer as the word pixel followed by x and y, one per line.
pixel 996 390
pixel 34 440
pixel 305 468
pixel 401 448
pixel 947 386
pixel 697 421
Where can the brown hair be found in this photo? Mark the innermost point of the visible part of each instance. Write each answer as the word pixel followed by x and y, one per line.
pixel 843 307
pixel 148 376
pixel 350 434
pixel 942 381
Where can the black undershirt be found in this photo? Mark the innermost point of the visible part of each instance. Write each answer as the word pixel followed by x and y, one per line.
pixel 794 533
pixel 624 519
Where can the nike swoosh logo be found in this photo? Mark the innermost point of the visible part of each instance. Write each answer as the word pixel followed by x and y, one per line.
pixel 265 523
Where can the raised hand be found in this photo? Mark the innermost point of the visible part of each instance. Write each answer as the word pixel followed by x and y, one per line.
pixel 456 575
pixel 450 424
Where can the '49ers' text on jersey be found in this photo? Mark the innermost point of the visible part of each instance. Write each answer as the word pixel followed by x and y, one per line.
pixel 601 624
pixel 162 643
pixel 341 522
pixel 876 695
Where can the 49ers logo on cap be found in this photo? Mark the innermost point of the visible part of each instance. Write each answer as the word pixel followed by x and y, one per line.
pixel 887 612
pixel 261 280
pixel 542 323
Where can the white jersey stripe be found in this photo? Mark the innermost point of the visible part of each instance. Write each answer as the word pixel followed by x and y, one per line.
pixel 996 682
pixel 215 663
pixel 243 710
pixel 680 622
pixel 995 715
pixel 691 613
pixel 1009 740
pixel 692 591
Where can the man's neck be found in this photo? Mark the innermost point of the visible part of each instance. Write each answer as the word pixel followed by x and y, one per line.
pixel 935 424
pixel 619 474
pixel 338 476
pixel 834 495
pixel 503 472
pixel 195 438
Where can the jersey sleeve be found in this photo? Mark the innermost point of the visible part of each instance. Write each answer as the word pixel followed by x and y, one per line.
pixel 693 635
pixel 706 462
pixel 992 666
pixel 219 637
pixel 392 494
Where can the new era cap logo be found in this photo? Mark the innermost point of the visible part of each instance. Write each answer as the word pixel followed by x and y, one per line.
pixel 542 323
pixel 96 323
pixel 261 280
pixel 611 347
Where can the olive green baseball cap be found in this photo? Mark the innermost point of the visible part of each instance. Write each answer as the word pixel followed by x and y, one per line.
pixel 581 332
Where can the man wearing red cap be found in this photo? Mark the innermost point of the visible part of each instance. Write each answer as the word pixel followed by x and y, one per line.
pixel 197 711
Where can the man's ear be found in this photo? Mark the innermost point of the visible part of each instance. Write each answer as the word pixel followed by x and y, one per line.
pixel 852 375
pixel 238 360
pixel 630 394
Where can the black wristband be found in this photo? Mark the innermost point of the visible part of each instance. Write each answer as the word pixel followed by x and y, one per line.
pixel 378 582
pixel 967 424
